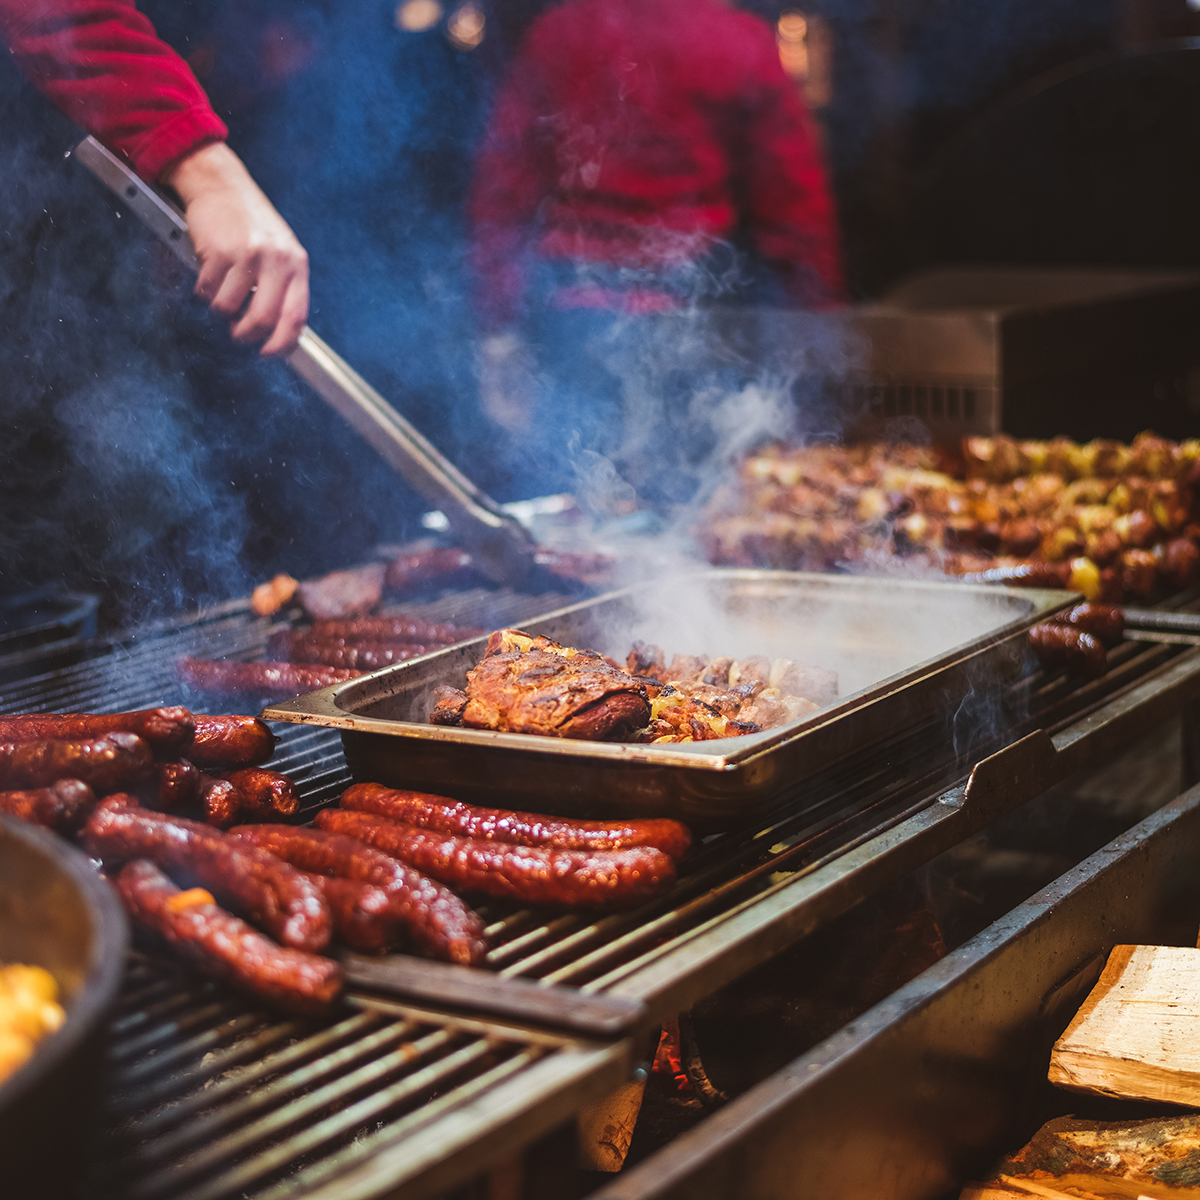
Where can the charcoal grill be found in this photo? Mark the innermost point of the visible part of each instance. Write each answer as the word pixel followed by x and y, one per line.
pixel 212 1098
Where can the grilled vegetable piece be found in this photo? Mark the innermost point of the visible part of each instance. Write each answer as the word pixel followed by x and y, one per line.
pixel 437 920
pixel 258 678
pixel 106 763
pixel 543 692
pixel 65 806
pixel 264 888
pixel 168 731
pixel 231 741
pixel 530 874
pixel 519 828
pixel 224 946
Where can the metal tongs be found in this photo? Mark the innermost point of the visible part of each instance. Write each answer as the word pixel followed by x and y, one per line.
pixel 500 545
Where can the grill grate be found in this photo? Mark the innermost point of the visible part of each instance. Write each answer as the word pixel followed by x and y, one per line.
pixel 212 1098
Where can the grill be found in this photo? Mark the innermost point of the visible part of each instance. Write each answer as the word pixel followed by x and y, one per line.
pixel 211 1097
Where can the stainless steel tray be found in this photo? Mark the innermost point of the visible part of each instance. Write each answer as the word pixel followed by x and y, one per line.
pixel 905 651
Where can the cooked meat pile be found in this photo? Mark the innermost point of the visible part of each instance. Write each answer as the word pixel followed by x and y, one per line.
pixel 528 684
pixel 1106 519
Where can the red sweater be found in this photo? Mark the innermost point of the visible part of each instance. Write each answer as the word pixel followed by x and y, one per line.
pixel 102 64
pixel 637 132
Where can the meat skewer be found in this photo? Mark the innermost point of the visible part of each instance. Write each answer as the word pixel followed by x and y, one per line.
pixel 266 889
pixel 441 814
pixel 437 920
pixel 223 945
pixel 531 874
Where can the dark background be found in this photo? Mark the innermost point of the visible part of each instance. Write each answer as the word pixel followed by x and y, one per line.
pixel 144 456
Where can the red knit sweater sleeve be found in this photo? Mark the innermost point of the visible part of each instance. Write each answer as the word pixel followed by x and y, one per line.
pixel 101 62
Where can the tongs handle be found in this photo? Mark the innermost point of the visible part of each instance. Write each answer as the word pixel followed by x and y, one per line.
pixel 501 546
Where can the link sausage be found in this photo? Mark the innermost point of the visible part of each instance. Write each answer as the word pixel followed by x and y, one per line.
pixel 231 741
pixel 222 945
pixel 171 786
pixel 437 920
pixel 360 656
pixel 521 828
pixel 1066 646
pixel 258 678
pixel 105 763
pixel 168 731
pixel 65 806
pixel 253 882
pixel 266 792
pixel 393 629
pixel 531 874
pixel 1104 622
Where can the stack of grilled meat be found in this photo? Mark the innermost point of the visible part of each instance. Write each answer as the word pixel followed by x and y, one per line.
pixel 530 684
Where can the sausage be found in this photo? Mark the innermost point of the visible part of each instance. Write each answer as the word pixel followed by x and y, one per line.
pixel 421 566
pixel 221 801
pixel 531 874
pixel 519 828
pixel 1105 622
pixel 65 806
pixel 231 741
pixel 358 656
pixel 267 792
pixel 258 678
pixel 106 763
pixel 224 946
pixel 249 880
pixel 168 731
pixel 437 920
pixel 393 629
pixel 362 913
pixel 171 786
pixel 1065 646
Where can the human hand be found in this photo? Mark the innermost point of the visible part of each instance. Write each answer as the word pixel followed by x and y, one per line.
pixel 507 381
pixel 246 249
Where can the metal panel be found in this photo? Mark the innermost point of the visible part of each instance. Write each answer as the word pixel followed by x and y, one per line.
pixel 926 1089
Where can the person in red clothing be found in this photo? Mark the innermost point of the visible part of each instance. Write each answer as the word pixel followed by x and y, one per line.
pixel 635 149
pixel 102 64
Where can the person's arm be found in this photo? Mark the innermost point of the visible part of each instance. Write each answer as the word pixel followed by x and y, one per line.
pixel 102 64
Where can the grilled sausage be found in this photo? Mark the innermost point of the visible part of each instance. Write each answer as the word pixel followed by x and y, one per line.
pixel 355 656
pixel 1104 622
pixel 65 806
pixel 519 828
pixel 171 786
pixel 253 882
pixel 1066 646
pixel 393 629
pixel 279 679
pixel 221 801
pixel 1037 574
pixel 266 792
pixel 222 945
pixel 231 741
pixel 106 763
pixel 363 914
pixel 437 920
pixel 421 566
pixel 531 874
pixel 168 731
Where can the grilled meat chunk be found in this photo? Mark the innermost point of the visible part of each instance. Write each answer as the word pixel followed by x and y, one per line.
pixel 544 692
